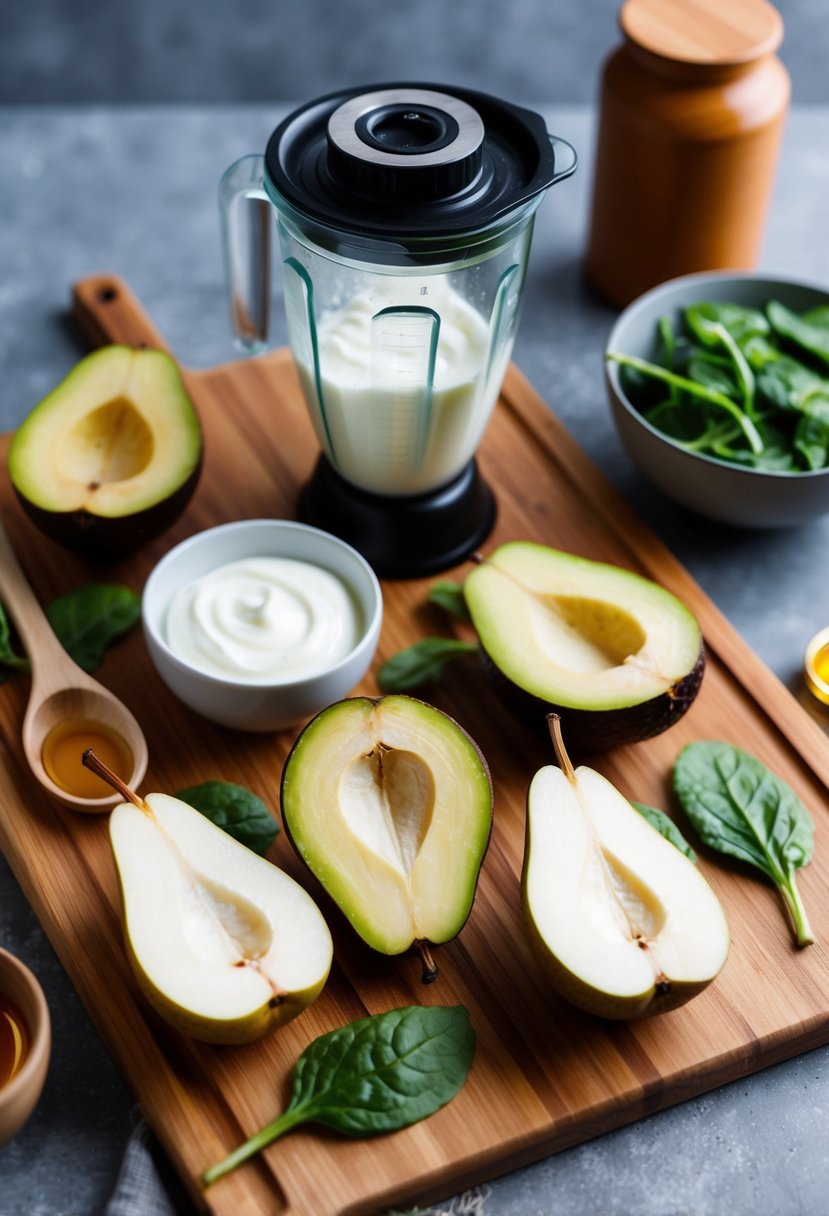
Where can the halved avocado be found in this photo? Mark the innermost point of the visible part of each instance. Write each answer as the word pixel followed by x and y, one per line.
pixel 389 804
pixel 112 455
pixel 618 657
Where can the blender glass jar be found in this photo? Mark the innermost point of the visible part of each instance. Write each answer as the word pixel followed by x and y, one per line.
pixel 405 217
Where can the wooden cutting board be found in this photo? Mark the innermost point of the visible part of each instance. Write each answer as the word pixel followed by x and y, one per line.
pixel 545 1076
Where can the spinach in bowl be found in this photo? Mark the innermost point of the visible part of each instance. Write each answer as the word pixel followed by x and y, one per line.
pixel 746 386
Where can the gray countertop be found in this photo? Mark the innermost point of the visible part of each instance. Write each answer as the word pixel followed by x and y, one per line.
pixel 132 191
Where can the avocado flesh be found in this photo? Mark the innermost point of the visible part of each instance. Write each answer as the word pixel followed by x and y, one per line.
pixel 617 655
pixel 389 804
pixel 112 454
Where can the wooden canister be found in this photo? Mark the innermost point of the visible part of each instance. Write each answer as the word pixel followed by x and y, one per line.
pixel 692 110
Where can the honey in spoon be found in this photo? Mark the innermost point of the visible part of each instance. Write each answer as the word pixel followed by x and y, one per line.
pixel 63 749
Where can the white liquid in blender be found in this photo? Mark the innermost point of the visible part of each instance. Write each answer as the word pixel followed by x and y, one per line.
pixel 386 433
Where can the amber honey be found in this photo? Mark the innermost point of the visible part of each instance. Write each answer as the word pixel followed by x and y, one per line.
pixel 816 666
pixel 63 750
pixel 14 1040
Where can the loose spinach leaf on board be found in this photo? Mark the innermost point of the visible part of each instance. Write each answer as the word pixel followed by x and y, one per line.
pixel 91 617
pixel 8 658
pixel 740 808
pixel 449 596
pixel 376 1075
pixel 239 812
pixel 422 663
pixel 814 339
pixel 666 827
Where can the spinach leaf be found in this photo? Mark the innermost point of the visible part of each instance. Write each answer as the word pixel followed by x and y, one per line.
pixel 740 321
pixel 666 827
pixel 695 390
pixel 714 373
pixel 818 317
pixel 777 455
pixel 89 618
pixel 668 340
pixel 759 351
pixel 449 596
pixel 740 808
pixel 811 436
pixel 712 332
pixel 422 663
pixel 8 658
pixel 376 1075
pixel 239 812
pixel 809 337
pixel 789 384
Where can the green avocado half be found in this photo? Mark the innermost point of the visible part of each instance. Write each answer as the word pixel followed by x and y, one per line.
pixel 618 657
pixel 389 803
pixel 112 455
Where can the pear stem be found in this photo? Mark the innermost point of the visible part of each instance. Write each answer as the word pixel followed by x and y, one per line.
pixel 554 724
pixel 91 761
pixel 477 558
pixel 430 968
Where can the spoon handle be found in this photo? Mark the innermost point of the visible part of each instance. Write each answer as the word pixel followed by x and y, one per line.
pixel 34 629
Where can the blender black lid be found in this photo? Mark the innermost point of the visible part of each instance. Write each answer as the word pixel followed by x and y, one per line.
pixel 409 160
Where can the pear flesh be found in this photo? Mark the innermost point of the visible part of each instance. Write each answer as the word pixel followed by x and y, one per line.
pixel 623 923
pixel 225 945
pixel 389 803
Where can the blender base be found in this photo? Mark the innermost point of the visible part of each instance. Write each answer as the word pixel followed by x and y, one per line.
pixel 407 537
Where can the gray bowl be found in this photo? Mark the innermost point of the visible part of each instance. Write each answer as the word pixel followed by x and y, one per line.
pixel 727 492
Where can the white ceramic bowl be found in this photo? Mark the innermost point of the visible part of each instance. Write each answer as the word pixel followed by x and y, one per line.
pixel 256 706
pixel 723 491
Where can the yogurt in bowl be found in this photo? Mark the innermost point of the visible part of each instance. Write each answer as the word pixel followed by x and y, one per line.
pixel 261 623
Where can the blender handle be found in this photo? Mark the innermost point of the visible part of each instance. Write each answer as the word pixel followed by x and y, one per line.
pixel 245 215
pixel 569 157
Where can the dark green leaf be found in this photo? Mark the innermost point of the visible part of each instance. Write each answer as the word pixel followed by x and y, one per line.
pixel 714 373
pixel 449 596
pixel 811 436
pixel 8 658
pixel 235 809
pixel 694 390
pixel 789 384
pixel 667 355
pixel 91 617
pixel 666 827
pixel 740 808
pixel 385 1072
pixel 759 351
pixel 423 663
pixel 377 1075
pixel 818 317
pixel 777 455
pixel 741 322
pixel 803 333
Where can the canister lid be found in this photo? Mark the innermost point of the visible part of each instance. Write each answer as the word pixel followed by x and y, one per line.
pixel 703 31
pixel 408 160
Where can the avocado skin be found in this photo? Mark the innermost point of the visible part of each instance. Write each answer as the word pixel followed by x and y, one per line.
pixel 599 729
pixel 106 538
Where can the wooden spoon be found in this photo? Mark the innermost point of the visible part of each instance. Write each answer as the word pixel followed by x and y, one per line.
pixel 60 690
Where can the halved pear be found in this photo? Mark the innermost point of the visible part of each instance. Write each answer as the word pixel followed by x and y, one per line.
pixel 389 803
pixel 618 657
pixel 224 945
pixel 623 923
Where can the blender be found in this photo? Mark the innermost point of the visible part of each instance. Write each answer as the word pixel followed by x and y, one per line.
pixel 405 217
